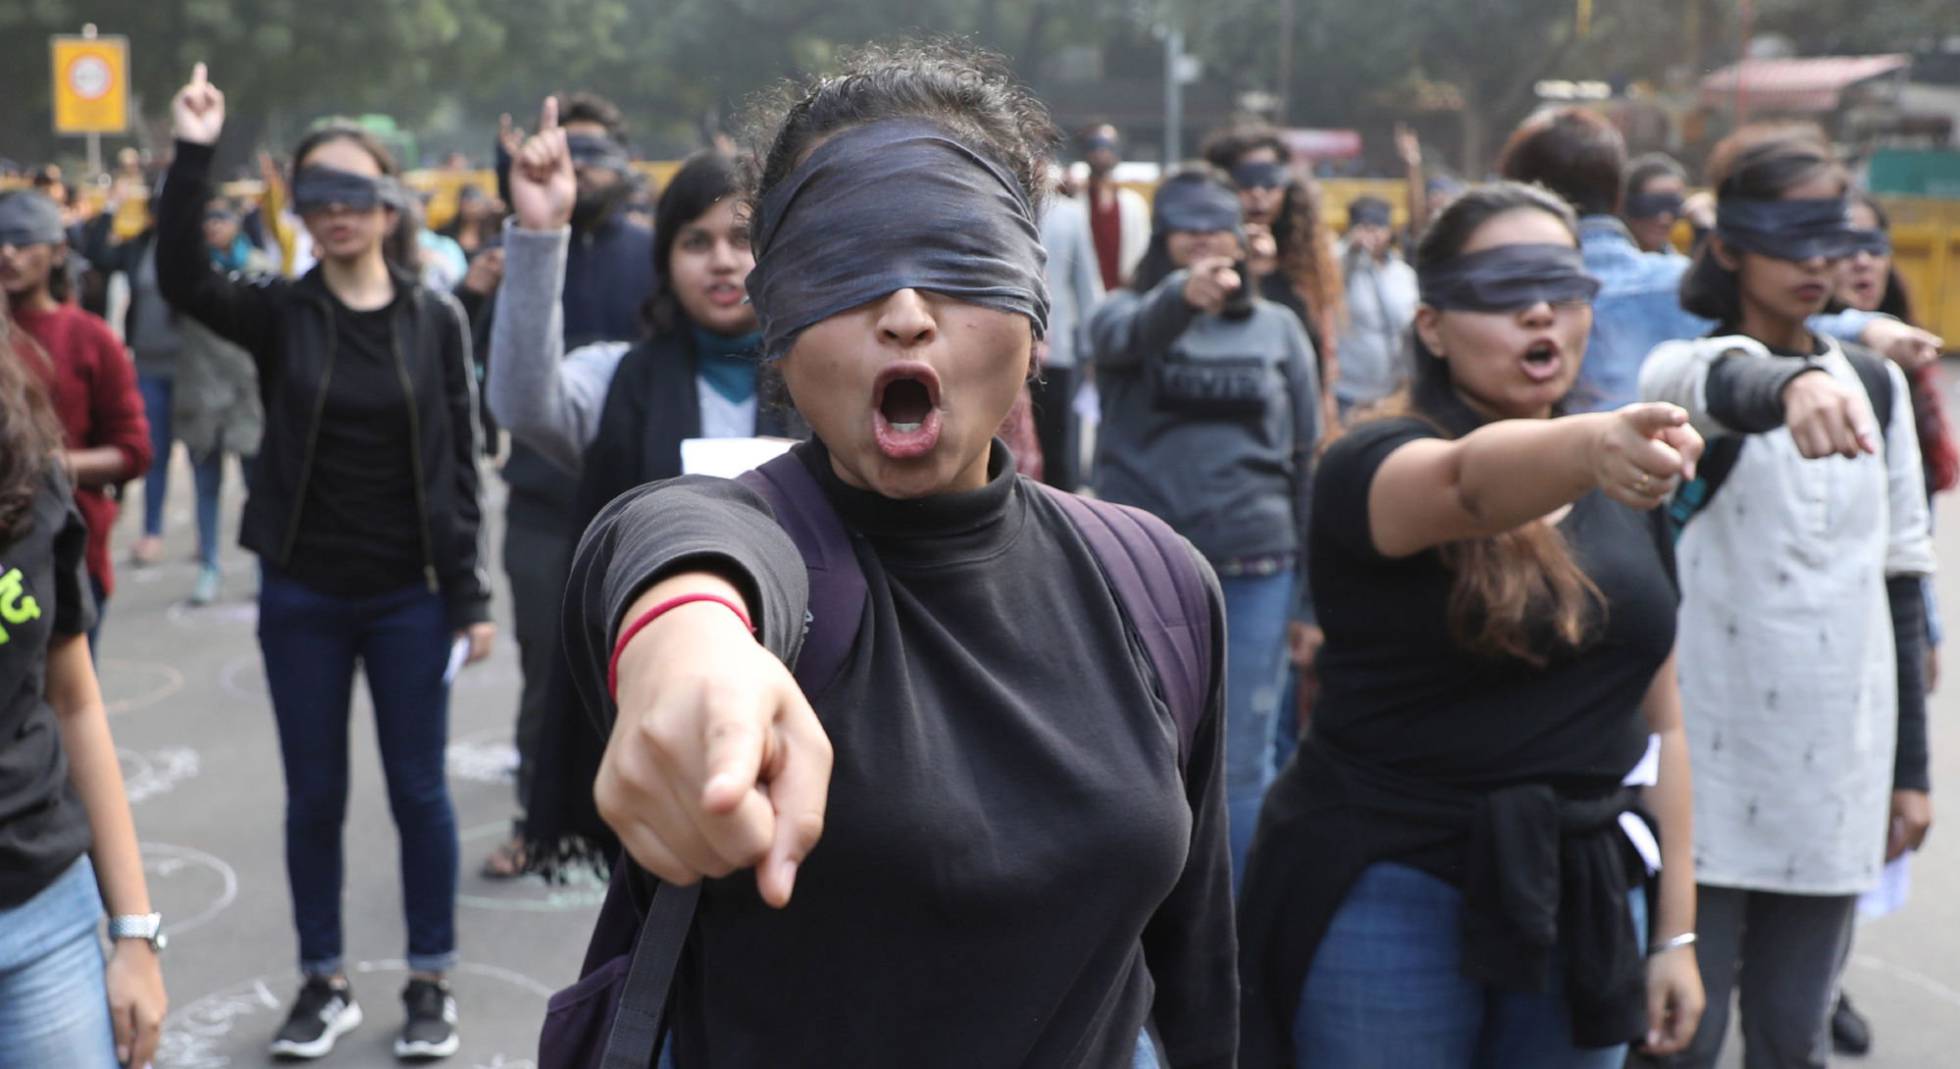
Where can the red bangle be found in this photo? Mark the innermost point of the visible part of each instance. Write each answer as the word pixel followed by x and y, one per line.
pixel 655 613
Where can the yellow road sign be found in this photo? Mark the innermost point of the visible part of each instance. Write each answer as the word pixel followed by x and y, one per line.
pixel 91 85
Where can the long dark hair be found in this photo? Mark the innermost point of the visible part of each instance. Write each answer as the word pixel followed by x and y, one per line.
pixel 1512 591
pixel 401 246
pixel 1758 162
pixel 701 183
pixel 29 433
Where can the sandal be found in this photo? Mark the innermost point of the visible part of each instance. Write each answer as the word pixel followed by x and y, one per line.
pixel 507 862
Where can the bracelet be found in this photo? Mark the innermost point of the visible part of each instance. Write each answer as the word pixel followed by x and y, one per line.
pixel 1685 939
pixel 655 613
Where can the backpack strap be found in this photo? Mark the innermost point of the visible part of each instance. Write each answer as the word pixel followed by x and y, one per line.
pixel 1159 587
pixel 639 1022
pixel 1694 495
pixel 1871 369
pixel 837 590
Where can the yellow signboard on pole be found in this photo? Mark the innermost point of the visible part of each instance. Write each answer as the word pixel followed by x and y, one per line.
pixel 91 84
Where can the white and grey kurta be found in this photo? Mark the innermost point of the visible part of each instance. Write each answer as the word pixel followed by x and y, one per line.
pixel 1788 670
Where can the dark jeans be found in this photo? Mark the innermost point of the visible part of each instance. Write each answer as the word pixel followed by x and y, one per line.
pixel 1057 428
pixel 311 643
pixel 537 559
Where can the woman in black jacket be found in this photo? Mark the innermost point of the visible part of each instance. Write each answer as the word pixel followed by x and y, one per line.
pixel 366 517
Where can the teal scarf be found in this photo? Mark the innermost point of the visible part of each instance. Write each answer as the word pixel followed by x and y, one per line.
pixel 728 364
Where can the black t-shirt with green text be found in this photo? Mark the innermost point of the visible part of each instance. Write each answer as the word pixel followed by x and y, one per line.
pixel 44 596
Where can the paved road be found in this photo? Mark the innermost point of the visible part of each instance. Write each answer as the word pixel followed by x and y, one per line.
pixel 188 705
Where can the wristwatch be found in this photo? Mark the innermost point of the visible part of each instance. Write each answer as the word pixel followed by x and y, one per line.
pixel 147 927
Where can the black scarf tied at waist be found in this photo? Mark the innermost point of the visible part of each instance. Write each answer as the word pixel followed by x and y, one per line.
pixel 1545 879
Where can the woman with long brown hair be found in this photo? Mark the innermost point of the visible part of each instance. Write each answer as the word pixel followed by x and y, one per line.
pixel 1449 873
pixel 67 841
pixel 366 515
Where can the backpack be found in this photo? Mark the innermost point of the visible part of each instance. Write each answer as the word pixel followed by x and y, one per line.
pixel 1720 459
pixel 613 1018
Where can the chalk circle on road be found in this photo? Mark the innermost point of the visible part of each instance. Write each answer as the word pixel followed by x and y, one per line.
pixel 147 775
pixel 188 886
pixel 232 1025
pixel 131 685
pixel 243 676
pixel 580 891
pixel 241 616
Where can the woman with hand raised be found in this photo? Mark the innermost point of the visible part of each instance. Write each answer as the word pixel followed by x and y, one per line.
pixel 366 515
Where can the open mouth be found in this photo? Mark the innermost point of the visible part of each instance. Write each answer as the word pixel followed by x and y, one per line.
pixel 905 411
pixel 1541 360
pixel 725 294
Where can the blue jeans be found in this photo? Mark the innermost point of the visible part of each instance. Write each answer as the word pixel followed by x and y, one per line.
pixel 1386 990
pixel 208 475
pixel 311 642
pixel 1256 611
pixel 54 1004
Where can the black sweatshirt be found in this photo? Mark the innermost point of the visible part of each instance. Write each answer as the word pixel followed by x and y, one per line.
pixel 1012 871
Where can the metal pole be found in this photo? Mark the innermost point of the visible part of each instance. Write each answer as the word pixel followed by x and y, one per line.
pixel 1747 14
pixel 1285 63
pixel 94 155
pixel 1173 96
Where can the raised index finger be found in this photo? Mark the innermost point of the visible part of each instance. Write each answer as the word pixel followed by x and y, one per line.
pixel 548 114
pixel 198 74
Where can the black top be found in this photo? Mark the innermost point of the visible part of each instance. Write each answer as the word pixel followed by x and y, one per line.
pixel 1012 872
pixel 359 534
pixel 44 593
pixel 1398 691
pixel 289 328
pixel 1497 776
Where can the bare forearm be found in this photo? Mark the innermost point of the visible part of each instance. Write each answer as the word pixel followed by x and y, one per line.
pixel 1514 471
pixel 97 777
pixel 1672 803
pixel 100 465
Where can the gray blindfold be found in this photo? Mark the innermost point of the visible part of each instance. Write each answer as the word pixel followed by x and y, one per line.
pixel 889 206
pixel 28 218
pixel 1369 212
pixel 319 188
pixel 1787 229
pixel 1259 175
pixel 1876 242
pixel 1198 206
pixel 591 150
pixel 1652 205
pixel 1508 278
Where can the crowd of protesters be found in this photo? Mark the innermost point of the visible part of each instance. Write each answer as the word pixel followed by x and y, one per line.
pixel 1397 691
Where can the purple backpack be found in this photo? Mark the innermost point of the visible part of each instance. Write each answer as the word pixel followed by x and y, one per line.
pixel 613 1017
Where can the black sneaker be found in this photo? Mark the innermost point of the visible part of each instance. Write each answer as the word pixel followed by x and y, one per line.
pixel 1850 1032
pixel 322 1013
pixel 430 1031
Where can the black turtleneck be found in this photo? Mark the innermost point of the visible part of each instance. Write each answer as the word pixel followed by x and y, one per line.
pixel 1012 872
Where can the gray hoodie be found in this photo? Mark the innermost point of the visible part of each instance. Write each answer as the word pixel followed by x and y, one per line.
pixel 1208 422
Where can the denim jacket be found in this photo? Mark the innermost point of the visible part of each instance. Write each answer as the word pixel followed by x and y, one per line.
pixel 1639 307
